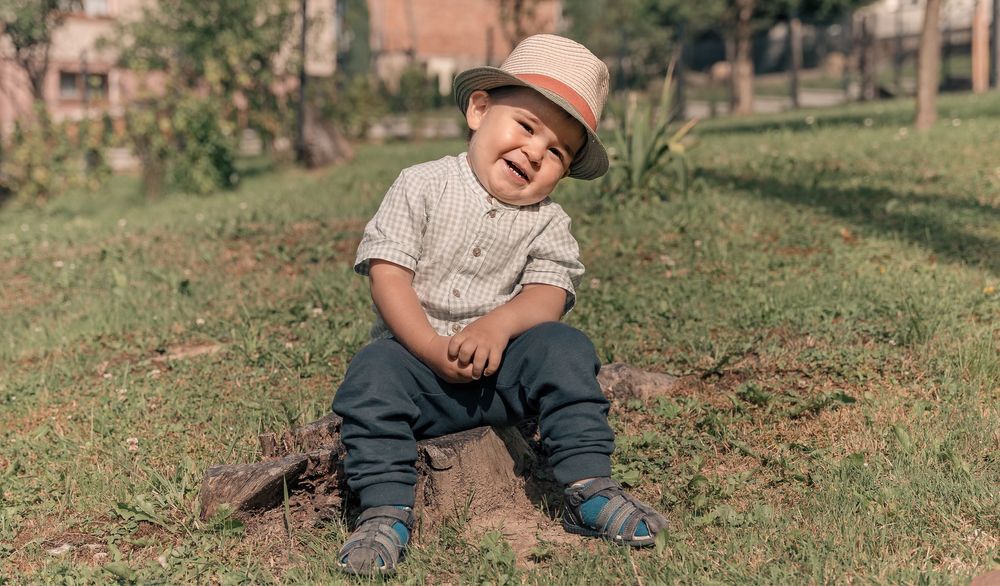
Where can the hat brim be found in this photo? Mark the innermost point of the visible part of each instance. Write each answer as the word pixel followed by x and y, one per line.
pixel 592 160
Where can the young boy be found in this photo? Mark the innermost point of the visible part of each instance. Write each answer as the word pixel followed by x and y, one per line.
pixel 471 267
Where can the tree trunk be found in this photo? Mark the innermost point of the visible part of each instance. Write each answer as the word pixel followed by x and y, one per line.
pixel 980 48
pixel 743 58
pixel 867 58
pixel 322 143
pixel 497 475
pixel 929 66
pixel 795 58
pixel 995 42
pixel 680 77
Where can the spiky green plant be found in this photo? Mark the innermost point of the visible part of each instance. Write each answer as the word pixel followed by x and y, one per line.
pixel 648 156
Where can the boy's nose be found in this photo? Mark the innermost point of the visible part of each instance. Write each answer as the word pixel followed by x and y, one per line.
pixel 534 152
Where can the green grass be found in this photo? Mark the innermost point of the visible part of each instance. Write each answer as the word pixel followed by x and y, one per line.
pixel 828 290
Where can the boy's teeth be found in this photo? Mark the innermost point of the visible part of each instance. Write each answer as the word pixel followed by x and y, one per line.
pixel 517 170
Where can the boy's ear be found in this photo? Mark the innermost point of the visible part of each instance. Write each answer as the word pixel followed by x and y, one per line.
pixel 479 102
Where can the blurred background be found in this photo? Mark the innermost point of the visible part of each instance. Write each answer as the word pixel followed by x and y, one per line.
pixel 178 89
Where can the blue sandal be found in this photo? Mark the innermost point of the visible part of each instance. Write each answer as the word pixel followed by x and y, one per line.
pixel 622 518
pixel 375 547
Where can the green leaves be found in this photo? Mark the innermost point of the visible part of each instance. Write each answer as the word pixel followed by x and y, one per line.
pixel 140 509
pixel 647 158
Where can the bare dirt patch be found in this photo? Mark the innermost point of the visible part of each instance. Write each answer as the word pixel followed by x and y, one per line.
pixel 185 352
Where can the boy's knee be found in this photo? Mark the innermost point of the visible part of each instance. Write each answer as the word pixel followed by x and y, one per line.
pixel 564 338
pixel 373 364
pixel 376 354
pixel 559 343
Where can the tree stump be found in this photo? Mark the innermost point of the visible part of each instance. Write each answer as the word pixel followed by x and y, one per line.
pixel 622 382
pixel 484 473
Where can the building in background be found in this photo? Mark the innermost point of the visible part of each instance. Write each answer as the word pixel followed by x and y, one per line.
pixel 84 81
pixel 445 37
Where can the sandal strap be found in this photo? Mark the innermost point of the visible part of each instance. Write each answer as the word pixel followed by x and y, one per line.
pixel 374 532
pixel 621 515
pixel 404 516
pixel 577 496
pixel 382 538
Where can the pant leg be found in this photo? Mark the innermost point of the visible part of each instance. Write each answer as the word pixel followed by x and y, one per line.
pixel 378 412
pixel 388 400
pixel 551 370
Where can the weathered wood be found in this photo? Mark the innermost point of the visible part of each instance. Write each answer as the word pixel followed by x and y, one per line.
pixel 483 472
pixel 246 487
pixel 320 434
pixel 472 473
pixel 621 382
pixel 477 469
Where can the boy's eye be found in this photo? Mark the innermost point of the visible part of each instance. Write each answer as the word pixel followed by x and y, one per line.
pixel 526 127
pixel 558 153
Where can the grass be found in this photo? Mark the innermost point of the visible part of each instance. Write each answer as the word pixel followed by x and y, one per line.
pixel 828 290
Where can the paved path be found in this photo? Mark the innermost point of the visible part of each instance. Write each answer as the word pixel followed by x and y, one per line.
pixel 769 104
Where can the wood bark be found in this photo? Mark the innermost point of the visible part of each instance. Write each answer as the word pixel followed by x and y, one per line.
pixel 980 47
pixel 867 58
pixel 929 66
pixel 743 58
pixel 482 472
pixel 795 58
pixel 322 142
pixel 995 44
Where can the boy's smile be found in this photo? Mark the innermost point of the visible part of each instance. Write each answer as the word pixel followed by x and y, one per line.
pixel 522 145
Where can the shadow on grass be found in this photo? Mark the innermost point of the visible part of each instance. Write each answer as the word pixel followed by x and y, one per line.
pixel 255 166
pixel 799 124
pixel 867 208
pixel 891 114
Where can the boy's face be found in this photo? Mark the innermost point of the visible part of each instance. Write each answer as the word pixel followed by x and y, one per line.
pixel 522 144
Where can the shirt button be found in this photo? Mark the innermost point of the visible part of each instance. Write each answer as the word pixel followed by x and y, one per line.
pixel 476 251
pixel 456 292
pixel 456 328
pixel 492 214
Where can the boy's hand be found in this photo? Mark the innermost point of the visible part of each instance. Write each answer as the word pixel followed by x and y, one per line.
pixel 435 355
pixel 480 346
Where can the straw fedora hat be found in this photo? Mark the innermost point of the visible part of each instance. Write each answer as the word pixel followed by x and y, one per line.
pixel 563 71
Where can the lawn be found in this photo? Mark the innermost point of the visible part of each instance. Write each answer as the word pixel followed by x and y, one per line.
pixel 828 290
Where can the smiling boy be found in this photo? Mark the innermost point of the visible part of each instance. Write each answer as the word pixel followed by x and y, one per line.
pixel 471 266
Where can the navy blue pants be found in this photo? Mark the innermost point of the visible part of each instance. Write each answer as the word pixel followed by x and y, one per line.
pixel 390 399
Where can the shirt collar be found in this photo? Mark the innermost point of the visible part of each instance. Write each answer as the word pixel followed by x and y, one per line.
pixel 472 182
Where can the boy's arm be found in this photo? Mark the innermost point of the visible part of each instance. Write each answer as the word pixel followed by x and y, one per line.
pixel 481 344
pixel 397 303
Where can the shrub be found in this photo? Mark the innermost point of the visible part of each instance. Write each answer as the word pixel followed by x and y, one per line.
pixel 417 92
pixel 183 140
pixel 43 160
pixel 352 103
pixel 646 157
pixel 205 157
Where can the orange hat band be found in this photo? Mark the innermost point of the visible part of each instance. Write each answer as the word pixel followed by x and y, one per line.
pixel 563 91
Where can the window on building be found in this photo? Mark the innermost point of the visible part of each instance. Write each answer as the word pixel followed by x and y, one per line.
pixel 88 7
pixel 69 85
pixel 73 86
pixel 95 7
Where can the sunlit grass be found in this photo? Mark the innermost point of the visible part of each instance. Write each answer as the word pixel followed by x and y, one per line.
pixel 827 290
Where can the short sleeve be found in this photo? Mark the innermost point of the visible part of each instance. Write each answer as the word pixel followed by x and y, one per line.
pixel 395 232
pixel 554 259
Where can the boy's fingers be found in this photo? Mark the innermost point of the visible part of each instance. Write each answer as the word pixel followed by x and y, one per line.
pixel 479 362
pixel 493 364
pixel 466 352
pixel 453 345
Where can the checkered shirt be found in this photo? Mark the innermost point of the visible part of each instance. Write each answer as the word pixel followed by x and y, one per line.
pixel 469 252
